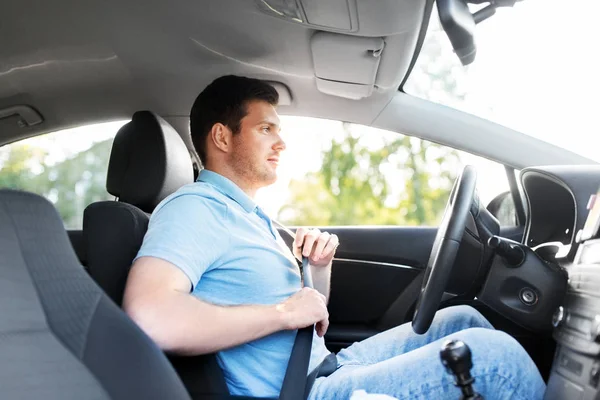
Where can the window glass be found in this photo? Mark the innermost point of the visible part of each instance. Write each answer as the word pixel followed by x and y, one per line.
pixel 335 173
pixel 536 71
pixel 68 167
pixel 332 173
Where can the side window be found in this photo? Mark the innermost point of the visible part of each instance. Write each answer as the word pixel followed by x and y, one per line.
pixel 506 212
pixel 68 167
pixel 335 174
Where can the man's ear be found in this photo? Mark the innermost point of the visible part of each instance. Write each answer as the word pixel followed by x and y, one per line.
pixel 221 137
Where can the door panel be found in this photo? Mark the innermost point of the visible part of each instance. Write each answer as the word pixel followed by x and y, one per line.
pixel 361 292
pixel 408 246
pixel 339 336
pixel 367 298
pixel 375 280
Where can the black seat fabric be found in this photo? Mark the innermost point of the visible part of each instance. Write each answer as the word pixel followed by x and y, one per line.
pixel 113 233
pixel 60 336
pixel 148 162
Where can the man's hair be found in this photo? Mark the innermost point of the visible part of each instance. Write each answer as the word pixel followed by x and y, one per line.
pixel 225 100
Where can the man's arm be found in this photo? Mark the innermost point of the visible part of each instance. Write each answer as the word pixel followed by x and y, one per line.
pixel 157 297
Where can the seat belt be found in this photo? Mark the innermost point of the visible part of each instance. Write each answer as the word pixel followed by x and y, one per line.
pixel 297 383
pixel 294 382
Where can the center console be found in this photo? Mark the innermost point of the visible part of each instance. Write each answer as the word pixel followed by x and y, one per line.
pixel 575 371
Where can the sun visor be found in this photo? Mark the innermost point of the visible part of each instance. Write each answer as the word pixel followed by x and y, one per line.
pixel 346 66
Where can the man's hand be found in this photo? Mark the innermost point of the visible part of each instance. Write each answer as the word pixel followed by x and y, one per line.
pixel 318 246
pixel 306 307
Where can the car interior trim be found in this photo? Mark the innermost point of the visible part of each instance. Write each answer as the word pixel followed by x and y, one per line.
pixel 380 264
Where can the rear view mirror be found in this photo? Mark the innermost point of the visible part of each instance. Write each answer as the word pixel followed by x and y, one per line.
pixel 459 23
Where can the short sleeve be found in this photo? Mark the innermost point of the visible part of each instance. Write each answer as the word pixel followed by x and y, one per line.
pixel 190 232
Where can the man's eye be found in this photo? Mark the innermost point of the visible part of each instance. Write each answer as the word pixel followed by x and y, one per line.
pixel 266 129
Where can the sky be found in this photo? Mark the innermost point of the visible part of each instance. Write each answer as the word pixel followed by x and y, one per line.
pixel 537 71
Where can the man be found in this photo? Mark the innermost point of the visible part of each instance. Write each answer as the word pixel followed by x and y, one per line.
pixel 213 275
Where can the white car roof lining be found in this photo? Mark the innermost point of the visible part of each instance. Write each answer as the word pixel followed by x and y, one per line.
pixel 83 63
pixel 90 62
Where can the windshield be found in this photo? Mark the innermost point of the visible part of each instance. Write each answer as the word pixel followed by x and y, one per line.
pixel 537 71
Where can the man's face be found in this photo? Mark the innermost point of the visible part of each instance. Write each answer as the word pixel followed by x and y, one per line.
pixel 256 148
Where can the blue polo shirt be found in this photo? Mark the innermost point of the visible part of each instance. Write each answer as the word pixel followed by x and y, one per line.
pixel 233 255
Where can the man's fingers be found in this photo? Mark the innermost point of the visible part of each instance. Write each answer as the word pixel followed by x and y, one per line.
pixel 332 245
pixel 320 246
pixel 309 241
pixel 322 327
pixel 299 239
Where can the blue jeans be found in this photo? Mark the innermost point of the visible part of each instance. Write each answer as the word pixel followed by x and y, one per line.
pixel 405 365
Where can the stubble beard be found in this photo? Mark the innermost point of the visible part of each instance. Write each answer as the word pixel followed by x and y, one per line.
pixel 252 171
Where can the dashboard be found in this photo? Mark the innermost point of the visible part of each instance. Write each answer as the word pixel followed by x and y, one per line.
pixel 557 202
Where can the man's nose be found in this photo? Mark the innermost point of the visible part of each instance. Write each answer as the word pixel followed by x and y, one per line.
pixel 279 145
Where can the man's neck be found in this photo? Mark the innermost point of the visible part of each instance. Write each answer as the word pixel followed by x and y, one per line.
pixel 235 178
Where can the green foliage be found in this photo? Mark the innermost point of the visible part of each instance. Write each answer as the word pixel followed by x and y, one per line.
pixel 360 185
pixel 71 184
pixel 16 161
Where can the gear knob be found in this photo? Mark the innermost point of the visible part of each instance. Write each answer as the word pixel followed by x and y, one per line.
pixel 456 357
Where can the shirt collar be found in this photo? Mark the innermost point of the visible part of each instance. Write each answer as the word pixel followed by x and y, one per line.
pixel 228 188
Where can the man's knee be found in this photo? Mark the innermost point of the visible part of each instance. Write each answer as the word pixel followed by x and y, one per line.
pixel 496 347
pixel 498 358
pixel 497 339
pixel 468 314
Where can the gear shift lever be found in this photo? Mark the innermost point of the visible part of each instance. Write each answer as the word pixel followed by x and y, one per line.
pixel 456 357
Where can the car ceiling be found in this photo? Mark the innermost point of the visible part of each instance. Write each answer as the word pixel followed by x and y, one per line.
pixel 82 62
pixel 77 63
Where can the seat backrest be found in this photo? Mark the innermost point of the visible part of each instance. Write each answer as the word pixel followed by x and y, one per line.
pixel 148 161
pixel 61 337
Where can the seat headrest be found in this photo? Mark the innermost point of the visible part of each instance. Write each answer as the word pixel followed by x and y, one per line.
pixel 148 162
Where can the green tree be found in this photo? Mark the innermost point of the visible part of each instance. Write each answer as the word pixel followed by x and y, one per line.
pixel 17 162
pixel 71 184
pixel 355 184
pixel 432 169
pixel 77 181
pixel 349 174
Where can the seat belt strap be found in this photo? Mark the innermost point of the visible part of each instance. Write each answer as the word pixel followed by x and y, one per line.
pixel 297 383
pixel 294 383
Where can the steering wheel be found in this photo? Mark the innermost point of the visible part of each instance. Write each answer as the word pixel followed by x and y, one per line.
pixel 445 248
